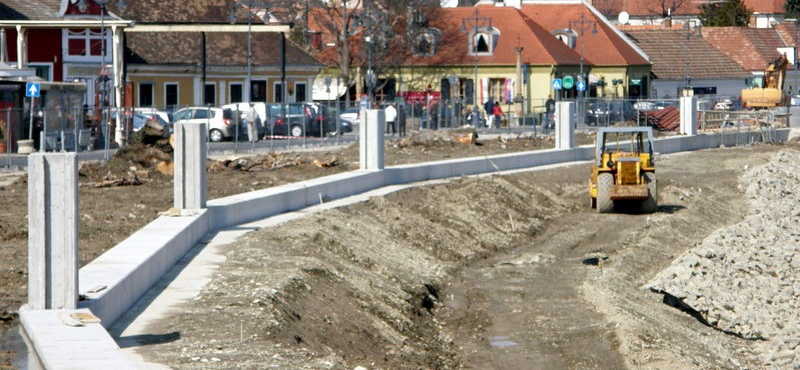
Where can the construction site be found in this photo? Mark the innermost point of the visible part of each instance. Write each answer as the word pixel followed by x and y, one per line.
pixel 504 270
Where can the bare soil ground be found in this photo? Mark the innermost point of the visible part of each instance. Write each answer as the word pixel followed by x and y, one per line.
pixel 124 194
pixel 494 272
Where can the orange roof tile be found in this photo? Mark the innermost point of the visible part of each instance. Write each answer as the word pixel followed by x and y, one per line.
pixel 516 29
pixel 604 48
pixel 529 27
pixel 669 48
pixel 752 48
pixel 678 7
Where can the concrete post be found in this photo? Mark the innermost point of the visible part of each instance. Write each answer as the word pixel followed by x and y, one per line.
pixel 52 231
pixel 370 147
pixel 565 124
pixel 688 105
pixel 191 151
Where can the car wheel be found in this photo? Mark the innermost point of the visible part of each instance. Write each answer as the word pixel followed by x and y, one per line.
pixel 296 131
pixel 215 135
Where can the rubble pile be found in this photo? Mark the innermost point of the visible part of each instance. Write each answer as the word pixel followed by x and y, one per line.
pixel 743 279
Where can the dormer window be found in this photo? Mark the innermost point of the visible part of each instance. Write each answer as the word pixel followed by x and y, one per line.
pixel 482 41
pixel 425 42
pixel 567 36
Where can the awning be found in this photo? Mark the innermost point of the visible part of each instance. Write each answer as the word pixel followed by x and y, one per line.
pixel 321 92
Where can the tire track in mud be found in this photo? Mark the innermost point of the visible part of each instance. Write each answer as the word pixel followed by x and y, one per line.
pixel 534 315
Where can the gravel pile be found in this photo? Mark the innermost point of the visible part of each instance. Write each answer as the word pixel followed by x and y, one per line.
pixel 743 279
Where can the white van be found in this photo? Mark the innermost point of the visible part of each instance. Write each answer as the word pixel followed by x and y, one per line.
pixel 240 112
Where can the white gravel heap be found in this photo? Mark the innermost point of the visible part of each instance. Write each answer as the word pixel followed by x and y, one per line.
pixel 743 279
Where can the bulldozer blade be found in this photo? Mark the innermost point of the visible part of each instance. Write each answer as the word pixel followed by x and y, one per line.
pixel 622 192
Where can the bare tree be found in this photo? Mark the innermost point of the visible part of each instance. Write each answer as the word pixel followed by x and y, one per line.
pixel 344 23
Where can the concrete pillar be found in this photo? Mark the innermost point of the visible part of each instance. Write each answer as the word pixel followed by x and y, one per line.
pixel 688 105
pixel 53 231
pixel 370 147
pixel 565 124
pixel 191 151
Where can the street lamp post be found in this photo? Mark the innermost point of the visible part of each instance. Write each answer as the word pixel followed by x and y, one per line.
pixel 376 29
pixel 250 5
pixel 371 78
pixel 103 76
pixel 691 30
pixel 581 25
pixel 473 23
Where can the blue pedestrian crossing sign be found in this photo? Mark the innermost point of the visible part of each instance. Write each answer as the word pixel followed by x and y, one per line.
pixel 32 90
pixel 556 84
pixel 581 85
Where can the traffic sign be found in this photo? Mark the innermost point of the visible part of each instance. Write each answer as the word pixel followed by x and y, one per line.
pixel 581 85
pixel 568 82
pixel 32 89
pixel 556 84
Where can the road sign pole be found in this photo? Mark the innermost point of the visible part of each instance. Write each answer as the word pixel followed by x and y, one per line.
pixel 30 129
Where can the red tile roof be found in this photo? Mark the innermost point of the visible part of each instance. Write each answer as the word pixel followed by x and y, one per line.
pixel 516 29
pixel 668 50
pixel 529 27
pixel 679 7
pixel 752 48
pixel 604 48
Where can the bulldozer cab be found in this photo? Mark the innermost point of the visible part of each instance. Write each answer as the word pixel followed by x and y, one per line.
pixel 615 143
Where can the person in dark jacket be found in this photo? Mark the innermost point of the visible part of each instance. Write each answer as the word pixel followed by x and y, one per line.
pixel 489 108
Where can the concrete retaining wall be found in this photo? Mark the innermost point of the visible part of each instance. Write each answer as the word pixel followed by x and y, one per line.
pixel 113 282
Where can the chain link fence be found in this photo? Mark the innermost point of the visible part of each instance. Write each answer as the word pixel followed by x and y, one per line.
pixel 329 123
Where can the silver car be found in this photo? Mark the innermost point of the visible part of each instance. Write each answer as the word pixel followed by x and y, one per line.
pixel 220 121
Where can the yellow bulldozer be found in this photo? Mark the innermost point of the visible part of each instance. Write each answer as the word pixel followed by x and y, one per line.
pixel 767 91
pixel 624 172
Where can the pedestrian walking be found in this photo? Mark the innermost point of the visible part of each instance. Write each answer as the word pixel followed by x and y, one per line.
pixel 489 108
pixel 475 117
pixel 391 118
pixel 252 129
pixel 401 120
pixel 549 110
pixel 497 112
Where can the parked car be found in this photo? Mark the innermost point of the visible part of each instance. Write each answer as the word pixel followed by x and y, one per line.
pixel 604 112
pixel 349 116
pixel 299 119
pixel 139 120
pixel 164 115
pixel 221 122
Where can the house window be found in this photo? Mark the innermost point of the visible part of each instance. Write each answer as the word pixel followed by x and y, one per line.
pixel 145 94
pixel 210 94
pixel 85 42
pixel 482 41
pixel 235 92
pixel 258 90
pixel 299 91
pixel 171 95
pixel 277 90
pixel 43 71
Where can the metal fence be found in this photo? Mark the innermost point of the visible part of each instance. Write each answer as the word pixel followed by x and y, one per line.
pixel 85 130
